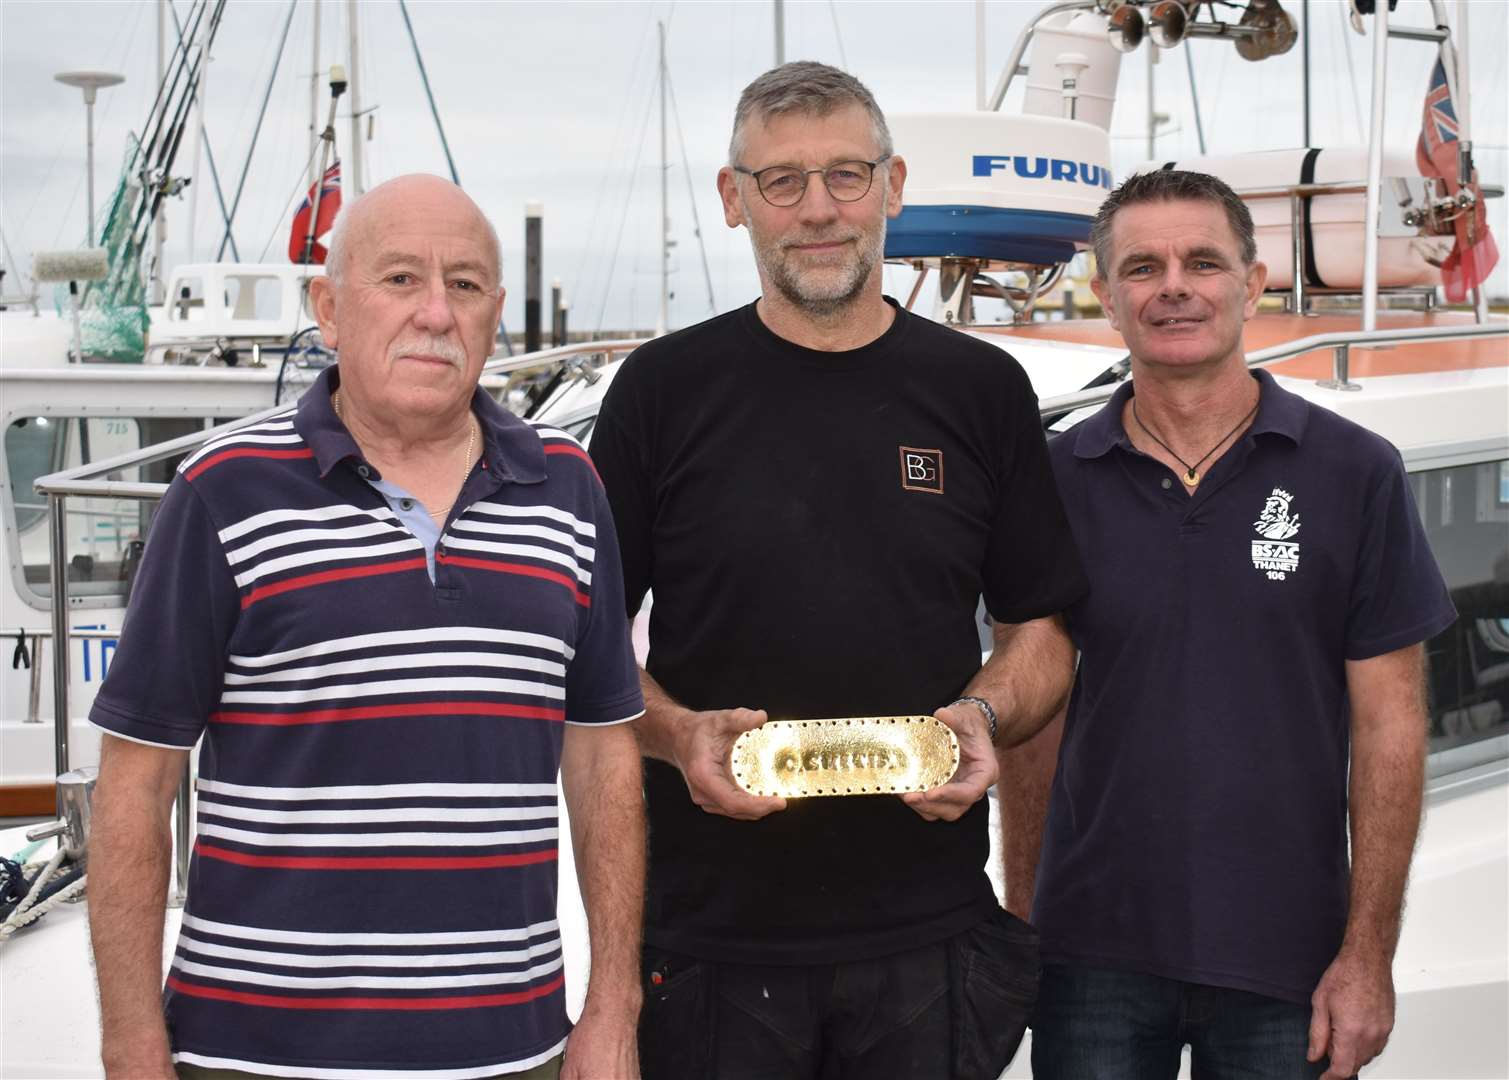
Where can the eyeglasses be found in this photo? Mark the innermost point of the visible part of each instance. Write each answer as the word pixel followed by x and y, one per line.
pixel 784 185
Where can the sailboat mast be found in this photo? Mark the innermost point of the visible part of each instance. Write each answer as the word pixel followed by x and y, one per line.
pixel 353 77
pixel 665 222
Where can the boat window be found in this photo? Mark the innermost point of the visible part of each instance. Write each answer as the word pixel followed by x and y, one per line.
pixel 254 296
pixel 1466 514
pixel 187 305
pixel 104 535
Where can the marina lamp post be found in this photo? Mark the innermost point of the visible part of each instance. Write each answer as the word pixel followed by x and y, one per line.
pixel 90 82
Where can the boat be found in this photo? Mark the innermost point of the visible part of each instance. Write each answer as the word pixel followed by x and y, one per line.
pixel 231 339
pixel 1368 340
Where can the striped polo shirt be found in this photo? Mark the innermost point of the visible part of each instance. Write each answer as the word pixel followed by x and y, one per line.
pixel 373 885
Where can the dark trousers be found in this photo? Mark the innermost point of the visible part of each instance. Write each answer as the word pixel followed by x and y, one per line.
pixel 1102 1024
pixel 955 1010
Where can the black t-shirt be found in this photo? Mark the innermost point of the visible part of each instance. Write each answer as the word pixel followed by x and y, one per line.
pixel 817 529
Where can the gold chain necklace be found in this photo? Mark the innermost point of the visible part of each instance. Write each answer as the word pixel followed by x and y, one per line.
pixel 466 461
pixel 1191 477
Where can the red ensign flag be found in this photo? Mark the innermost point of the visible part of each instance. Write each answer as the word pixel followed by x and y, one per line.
pixel 330 203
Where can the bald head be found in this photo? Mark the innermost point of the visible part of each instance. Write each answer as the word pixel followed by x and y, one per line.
pixel 363 222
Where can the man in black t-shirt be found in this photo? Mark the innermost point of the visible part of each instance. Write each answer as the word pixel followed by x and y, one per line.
pixel 818 488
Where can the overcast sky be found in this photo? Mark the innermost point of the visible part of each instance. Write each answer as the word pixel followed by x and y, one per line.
pixel 555 102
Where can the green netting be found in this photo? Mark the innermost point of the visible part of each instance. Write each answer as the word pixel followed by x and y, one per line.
pixel 113 318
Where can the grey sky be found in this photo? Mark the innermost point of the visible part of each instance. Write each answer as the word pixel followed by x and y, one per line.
pixel 554 101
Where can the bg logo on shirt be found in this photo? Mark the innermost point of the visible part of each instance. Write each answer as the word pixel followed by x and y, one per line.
pixel 922 470
pixel 1275 524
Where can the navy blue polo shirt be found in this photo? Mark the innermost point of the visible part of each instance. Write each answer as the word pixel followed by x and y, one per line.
pixel 373 885
pixel 1197 827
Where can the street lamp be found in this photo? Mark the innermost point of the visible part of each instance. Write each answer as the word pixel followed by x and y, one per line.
pixel 89 82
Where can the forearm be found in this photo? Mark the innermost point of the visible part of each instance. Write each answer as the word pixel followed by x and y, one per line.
pixel 659 730
pixel 130 848
pixel 601 777
pixel 1026 782
pixel 1386 790
pixel 1027 677
pixel 1385 793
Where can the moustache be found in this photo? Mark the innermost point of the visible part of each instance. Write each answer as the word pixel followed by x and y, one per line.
pixel 440 347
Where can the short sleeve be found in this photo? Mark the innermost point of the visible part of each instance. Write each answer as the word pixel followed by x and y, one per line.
pixel 166 675
pixel 602 681
pixel 1399 597
pixel 1032 567
pixel 618 451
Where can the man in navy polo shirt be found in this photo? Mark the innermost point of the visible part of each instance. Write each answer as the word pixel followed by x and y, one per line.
pixel 394 614
pixel 1250 689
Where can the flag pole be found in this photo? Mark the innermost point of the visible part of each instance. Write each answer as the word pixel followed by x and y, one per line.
pixel 327 144
pixel 1464 134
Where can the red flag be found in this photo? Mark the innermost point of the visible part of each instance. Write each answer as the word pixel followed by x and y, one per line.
pixel 330 203
pixel 1474 255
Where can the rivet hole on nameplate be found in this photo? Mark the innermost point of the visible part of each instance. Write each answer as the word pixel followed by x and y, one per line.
pixel 854 755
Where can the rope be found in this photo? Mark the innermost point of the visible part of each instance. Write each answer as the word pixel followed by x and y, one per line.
pixel 63 895
pixel 36 884
pixel 48 890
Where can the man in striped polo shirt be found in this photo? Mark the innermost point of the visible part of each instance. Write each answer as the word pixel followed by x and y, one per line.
pixel 394 613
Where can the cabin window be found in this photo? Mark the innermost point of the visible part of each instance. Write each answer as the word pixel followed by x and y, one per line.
pixel 187 302
pixel 104 535
pixel 254 296
pixel 1466 516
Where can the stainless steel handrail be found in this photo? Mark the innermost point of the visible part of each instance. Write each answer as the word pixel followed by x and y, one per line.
pixel 1337 340
pixel 63 482
pixel 84 480
pixel 36 635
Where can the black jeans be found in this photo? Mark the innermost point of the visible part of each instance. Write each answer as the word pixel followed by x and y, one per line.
pixel 955 1010
pixel 1103 1024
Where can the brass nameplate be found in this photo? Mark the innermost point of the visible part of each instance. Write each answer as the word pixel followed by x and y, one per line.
pixel 857 755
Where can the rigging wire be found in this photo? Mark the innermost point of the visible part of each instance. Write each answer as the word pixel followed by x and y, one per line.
pixel 1346 48
pixel 623 216
pixel 15 267
pixel 424 77
pixel 691 195
pixel 837 33
pixel 251 149
pixel 1194 94
pixel 289 146
pixel 298 185
pixel 209 153
pixel 613 152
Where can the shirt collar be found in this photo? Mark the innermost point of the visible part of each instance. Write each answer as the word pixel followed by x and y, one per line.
pixel 1279 412
pixel 510 447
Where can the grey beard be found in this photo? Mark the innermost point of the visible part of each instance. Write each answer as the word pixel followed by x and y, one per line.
pixel 822 307
pixel 826 307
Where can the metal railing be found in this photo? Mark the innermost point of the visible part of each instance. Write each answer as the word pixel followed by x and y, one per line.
pixel 86 481
pixel 1340 342
pixel 33 637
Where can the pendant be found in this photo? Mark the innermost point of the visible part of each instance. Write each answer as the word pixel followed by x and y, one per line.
pixel 1191 478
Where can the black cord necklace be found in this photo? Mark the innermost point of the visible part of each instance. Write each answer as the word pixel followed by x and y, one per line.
pixel 1191 477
